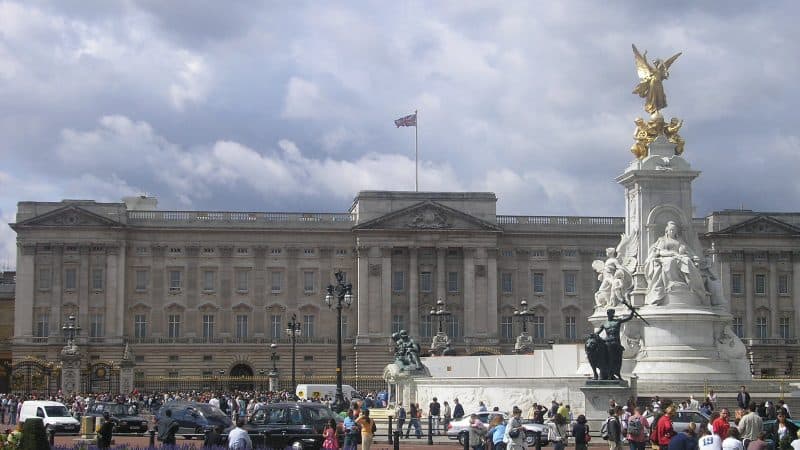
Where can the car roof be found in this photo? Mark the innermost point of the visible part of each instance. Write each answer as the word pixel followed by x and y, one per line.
pixel 42 403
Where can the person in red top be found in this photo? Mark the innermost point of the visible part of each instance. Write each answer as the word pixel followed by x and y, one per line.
pixel 721 424
pixel 664 430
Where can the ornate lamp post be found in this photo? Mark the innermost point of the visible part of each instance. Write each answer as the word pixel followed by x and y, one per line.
pixel 293 331
pixel 342 292
pixel 524 342
pixel 70 329
pixel 273 374
pixel 441 342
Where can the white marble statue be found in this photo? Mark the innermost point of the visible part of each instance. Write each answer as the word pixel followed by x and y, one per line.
pixel 672 269
pixel 615 273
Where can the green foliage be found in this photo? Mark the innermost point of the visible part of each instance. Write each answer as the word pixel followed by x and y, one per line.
pixel 34 436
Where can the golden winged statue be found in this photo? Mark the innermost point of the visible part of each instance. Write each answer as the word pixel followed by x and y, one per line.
pixel 651 84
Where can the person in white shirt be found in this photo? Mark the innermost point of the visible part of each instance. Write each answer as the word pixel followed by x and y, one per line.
pixel 693 404
pixel 732 442
pixel 214 401
pixel 796 442
pixel 238 439
pixel 708 441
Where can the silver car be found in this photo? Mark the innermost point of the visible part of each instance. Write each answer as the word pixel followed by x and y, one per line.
pixel 459 428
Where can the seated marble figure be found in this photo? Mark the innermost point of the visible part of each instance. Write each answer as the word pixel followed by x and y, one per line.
pixel 672 270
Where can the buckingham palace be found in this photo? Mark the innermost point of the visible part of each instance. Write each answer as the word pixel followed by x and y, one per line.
pixel 195 293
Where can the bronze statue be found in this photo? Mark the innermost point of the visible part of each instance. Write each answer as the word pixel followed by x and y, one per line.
pixel 651 84
pixel 605 354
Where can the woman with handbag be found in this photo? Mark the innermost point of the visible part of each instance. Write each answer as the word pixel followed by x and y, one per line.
pixel 515 433
pixel 580 431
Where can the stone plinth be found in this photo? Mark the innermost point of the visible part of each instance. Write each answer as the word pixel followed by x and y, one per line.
pixel 597 394
pixel 70 370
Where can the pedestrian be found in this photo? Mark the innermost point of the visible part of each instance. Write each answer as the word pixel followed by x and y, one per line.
pixel 458 410
pixel 760 442
pixel 435 412
pixel 557 433
pixel 368 429
pixel 167 427
pixel 664 430
pixel 637 430
pixel 104 434
pixel 330 436
pixel 796 443
pixel 401 416
pixel 750 425
pixel 447 416
pixel 497 431
pixel 515 433
pixel 732 442
pixel 685 440
pixel 413 420
pixel 213 437
pixel 351 431
pixel 784 428
pixel 612 430
pixel 743 397
pixel 708 440
pixel 721 424
pixel 580 432
pixel 477 433
pixel 238 439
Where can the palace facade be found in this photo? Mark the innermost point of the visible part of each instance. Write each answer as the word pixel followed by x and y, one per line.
pixel 196 293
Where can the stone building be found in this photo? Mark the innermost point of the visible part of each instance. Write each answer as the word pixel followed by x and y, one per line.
pixel 201 292
pixel 6 326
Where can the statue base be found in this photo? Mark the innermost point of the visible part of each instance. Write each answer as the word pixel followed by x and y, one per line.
pixel 598 393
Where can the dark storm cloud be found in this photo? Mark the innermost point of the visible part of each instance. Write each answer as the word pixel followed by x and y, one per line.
pixel 289 106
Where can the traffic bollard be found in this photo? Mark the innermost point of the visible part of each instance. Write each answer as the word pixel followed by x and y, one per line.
pixel 430 430
pixel 51 437
pixel 396 445
pixel 153 438
pixel 466 441
pixel 390 429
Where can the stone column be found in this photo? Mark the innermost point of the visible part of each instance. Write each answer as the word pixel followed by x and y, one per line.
pixel 441 291
pixel 385 319
pixel 491 289
pixel 796 292
pixel 470 326
pixel 725 275
pixel 58 284
pixel 121 283
pixel 413 292
pixel 749 317
pixel 362 292
pixel 84 286
pixel 772 289
pixel 26 279
pixel 158 287
pixel 112 328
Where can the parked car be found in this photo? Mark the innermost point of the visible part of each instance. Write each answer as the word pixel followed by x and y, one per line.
pixel 289 424
pixel 459 428
pixel 194 418
pixel 54 415
pixel 124 417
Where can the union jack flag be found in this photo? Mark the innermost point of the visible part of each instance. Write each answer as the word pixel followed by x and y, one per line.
pixel 407 121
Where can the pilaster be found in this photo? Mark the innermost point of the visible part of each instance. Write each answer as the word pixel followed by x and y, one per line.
pixel 23 311
pixel 796 292
pixel 491 289
pixel 469 293
pixel 441 291
pixel 749 318
pixel 413 292
pixel 362 292
pixel 384 321
pixel 772 289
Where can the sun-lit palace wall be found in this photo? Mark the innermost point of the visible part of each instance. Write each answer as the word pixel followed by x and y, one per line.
pixel 199 292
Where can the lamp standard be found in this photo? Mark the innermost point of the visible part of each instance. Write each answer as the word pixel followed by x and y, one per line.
pixel 293 331
pixel 273 374
pixel 342 292
pixel 440 312
pixel 70 329
pixel 441 342
pixel 524 342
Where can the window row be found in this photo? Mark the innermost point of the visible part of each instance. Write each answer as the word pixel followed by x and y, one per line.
pixel 570 282
pixel 41 327
pixel 241 326
pixel 44 278
pixel 760 284
pixel 510 327
pixel 761 327
pixel 209 280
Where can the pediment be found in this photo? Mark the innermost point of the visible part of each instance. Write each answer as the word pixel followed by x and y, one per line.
pixel 761 225
pixel 68 216
pixel 428 216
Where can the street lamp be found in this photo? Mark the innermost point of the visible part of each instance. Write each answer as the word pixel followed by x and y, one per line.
pixel 342 292
pixel 441 342
pixel 70 329
pixel 293 331
pixel 524 342
pixel 441 313
pixel 273 374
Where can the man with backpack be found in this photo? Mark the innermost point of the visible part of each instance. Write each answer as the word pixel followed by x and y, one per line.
pixel 637 430
pixel 611 430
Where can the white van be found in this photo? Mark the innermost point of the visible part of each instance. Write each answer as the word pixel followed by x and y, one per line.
pixel 54 415
pixel 320 391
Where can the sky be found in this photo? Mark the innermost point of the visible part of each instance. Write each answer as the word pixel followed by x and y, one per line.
pixel 289 106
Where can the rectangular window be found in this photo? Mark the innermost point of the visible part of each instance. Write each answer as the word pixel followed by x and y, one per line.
pixel 507 282
pixel 308 281
pixel 397 323
pixel 762 331
pixel 538 282
pixel 761 284
pixel 275 328
pixel 241 326
pixel 96 325
pixel 570 287
pixel 452 281
pixel 308 326
pixel 208 326
pixel 174 326
pixel 141 280
pixel 97 279
pixel 425 282
pixel 398 281
pixel 45 278
pixel 506 327
pixel 175 280
pixel 209 281
pixel 737 287
pixel 140 326
pixel 452 326
pixel 276 281
pixel 70 279
pixel 570 328
pixel 42 326
pixel 786 327
pixel 783 284
pixel 738 326
pixel 425 325
pixel 537 327
pixel 242 276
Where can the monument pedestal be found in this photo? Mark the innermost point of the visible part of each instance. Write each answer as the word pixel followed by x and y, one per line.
pixel 598 393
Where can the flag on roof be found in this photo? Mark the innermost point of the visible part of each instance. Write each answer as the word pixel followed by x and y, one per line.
pixel 407 121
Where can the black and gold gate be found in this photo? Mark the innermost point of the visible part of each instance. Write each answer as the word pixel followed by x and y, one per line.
pixel 33 376
pixel 101 377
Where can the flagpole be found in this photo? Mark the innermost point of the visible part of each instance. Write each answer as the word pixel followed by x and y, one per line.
pixel 416 152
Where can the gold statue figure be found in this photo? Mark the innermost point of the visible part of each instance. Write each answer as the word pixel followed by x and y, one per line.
pixel 671 132
pixel 651 84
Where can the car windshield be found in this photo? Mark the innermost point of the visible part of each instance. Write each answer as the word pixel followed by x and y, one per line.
pixel 209 411
pixel 56 411
pixel 120 410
